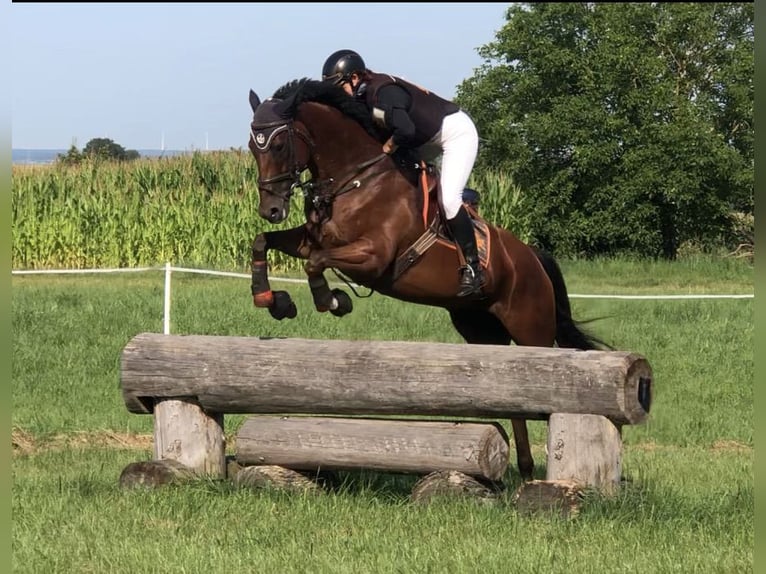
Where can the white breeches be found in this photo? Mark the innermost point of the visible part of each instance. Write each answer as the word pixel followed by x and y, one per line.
pixel 457 143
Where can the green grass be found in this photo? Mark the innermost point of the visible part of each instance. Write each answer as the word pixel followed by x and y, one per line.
pixel 688 510
pixel 688 505
pixel 699 274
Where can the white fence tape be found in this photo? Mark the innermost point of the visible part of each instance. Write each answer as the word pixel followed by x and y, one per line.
pixel 168 269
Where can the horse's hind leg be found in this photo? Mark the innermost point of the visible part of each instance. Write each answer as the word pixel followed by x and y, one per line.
pixel 479 327
pixel 483 328
pixel 523 451
pixel 529 324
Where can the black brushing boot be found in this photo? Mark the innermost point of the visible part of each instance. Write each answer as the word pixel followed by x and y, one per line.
pixel 471 274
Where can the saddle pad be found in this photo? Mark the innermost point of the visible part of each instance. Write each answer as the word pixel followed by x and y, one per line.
pixel 482 240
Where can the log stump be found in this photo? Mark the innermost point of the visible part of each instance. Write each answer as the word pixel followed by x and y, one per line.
pixel 272 477
pixel 154 473
pixel 187 433
pixel 453 484
pixel 586 449
pixel 564 497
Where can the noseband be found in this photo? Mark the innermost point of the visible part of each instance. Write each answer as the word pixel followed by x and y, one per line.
pixel 263 136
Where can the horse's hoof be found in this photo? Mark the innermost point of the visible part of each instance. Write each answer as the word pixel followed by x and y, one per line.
pixel 526 474
pixel 345 306
pixel 283 306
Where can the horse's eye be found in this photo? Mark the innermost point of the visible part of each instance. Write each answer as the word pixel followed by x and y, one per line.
pixel 279 146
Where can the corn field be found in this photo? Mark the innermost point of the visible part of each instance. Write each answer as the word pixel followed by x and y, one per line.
pixel 194 210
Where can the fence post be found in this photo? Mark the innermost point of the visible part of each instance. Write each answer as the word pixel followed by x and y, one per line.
pixel 166 320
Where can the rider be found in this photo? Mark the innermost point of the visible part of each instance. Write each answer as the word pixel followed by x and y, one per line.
pixel 421 120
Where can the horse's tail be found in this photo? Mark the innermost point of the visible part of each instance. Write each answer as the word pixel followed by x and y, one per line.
pixel 569 333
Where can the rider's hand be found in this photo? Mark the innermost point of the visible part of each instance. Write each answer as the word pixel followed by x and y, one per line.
pixel 389 147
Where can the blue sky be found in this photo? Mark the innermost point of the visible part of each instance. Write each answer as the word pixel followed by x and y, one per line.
pixel 133 72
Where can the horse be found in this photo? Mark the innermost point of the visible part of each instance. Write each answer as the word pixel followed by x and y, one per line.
pixel 373 218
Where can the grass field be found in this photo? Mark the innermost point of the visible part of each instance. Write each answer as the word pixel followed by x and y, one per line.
pixel 688 505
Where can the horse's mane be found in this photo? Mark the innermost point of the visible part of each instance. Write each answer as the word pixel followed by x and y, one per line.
pixel 295 92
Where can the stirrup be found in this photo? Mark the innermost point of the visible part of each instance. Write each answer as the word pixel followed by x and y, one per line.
pixel 471 286
pixel 467 268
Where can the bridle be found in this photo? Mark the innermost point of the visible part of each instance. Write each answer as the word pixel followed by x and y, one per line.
pixel 263 136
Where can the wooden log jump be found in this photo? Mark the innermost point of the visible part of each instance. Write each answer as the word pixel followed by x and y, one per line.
pixel 305 376
pixel 189 381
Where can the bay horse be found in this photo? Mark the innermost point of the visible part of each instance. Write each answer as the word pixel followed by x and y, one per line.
pixel 374 219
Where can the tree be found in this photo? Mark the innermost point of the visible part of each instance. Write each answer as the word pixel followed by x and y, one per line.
pixel 629 125
pixel 104 148
pixel 98 149
pixel 72 157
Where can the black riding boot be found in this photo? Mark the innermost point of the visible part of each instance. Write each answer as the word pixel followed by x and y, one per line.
pixel 471 275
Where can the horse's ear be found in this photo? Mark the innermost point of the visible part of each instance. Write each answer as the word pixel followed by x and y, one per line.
pixel 286 108
pixel 255 101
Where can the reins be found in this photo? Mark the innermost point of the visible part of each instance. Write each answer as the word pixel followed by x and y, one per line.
pixel 350 182
pixel 350 284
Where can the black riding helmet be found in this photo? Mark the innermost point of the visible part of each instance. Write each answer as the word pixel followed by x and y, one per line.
pixel 340 65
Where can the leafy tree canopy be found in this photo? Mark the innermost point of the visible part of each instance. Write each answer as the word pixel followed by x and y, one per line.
pixel 630 125
pixel 104 148
pixel 98 149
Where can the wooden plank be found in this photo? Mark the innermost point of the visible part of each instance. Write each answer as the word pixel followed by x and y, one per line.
pixel 306 376
pixel 409 446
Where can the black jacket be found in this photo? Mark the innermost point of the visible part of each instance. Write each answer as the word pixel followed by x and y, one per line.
pixel 411 114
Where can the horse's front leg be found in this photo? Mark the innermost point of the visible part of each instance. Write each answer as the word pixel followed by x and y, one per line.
pixel 293 242
pixel 361 257
pixel 336 301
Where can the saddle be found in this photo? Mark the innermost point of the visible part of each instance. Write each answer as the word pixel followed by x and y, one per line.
pixel 426 178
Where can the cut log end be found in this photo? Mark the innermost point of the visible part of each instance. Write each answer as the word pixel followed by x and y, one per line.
pixel 154 473
pixel 494 452
pixel 452 484
pixel 645 393
pixel 271 477
pixel 564 497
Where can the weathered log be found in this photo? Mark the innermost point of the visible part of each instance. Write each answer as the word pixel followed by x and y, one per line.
pixel 409 446
pixel 454 484
pixel 185 432
pixel 586 449
pixel 276 478
pixel 564 497
pixel 154 473
pixel 305 376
